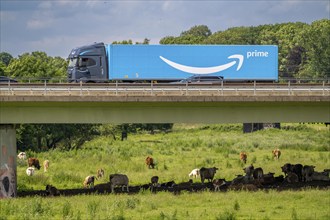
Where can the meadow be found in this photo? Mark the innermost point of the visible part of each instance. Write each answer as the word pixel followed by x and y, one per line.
pixel 176 153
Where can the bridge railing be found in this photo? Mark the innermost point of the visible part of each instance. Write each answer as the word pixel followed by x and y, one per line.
pixel 284 88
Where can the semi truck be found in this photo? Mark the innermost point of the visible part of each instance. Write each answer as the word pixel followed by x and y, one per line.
pixel 101 62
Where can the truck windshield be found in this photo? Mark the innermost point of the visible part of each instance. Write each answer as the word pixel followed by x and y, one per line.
pixel 73 62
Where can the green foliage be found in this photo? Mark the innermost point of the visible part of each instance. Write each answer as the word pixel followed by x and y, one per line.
pixel 198 31
pixel 123 42
pixel 5 58
pixel 37 65
pixel 315 39
pixel 227 215
pixel 41 137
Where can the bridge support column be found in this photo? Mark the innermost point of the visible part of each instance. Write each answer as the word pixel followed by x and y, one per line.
pixel 8 179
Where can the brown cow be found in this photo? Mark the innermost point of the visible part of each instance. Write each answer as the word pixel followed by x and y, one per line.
pixel 276 153
pixel 100 173
pixel 217 183
pixel 34 162
pixel 243 157
pixel 150 162
pixel 89 182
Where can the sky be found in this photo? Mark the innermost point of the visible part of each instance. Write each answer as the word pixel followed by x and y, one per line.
pixel 57 26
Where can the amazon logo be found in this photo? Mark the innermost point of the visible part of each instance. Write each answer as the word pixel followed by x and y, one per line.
pixel 236 59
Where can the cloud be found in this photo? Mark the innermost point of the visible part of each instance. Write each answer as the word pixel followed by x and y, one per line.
pixel 57 26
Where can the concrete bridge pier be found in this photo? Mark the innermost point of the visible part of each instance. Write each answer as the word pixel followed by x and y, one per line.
pixel 8 152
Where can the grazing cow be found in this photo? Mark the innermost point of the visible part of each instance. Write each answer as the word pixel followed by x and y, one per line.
pixel 295 168
pixel 169 184
pixel 286 168
pixel 323 176
pixel 243 157
pixel 30 171
pixel 249 170
pixel 292 177
pixel 118 180
pixel 100 173
pixel 34 162
pixel 258 174
pixel 217 183
pixel 89 182
pixel 194 173
pixel 326 171
pixel 154 180
pixel 276 153
pixel 307 172
pixel 150 162
pixel 241 186
pixel 279 179
pixel 268 178
pixel 46 165
pixel 184 184
pixel 240 179
pixel 21 156
pixel 207 173
pixel 52 190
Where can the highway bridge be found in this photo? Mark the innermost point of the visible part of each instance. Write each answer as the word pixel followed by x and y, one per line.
pixel 153 103
pixel 164 103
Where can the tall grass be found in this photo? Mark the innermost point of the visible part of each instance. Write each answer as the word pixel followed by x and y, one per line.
pixel 163 205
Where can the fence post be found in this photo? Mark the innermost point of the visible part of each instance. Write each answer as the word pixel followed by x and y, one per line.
pixel 81 87
pixel 45 91
pixel 116 87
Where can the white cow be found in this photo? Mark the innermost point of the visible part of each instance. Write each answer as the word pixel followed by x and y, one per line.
pixel 22 156
pixel 194 173
pixel 30 171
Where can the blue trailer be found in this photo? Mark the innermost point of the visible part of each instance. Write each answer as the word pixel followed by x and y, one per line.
pixel 99 62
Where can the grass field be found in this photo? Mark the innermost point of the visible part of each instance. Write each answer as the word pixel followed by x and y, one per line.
pixel 176 153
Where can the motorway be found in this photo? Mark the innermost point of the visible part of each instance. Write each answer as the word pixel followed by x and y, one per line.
pixel 165 89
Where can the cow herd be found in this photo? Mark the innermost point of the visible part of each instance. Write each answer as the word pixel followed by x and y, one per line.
pixel 33 163
pixel 253 177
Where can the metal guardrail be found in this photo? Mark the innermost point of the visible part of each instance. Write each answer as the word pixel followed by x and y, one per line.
pixel 165 89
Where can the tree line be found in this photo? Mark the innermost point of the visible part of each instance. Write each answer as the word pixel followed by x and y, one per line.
pixel 304 52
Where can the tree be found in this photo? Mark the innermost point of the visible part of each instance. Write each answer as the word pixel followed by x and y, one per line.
pixel 5 58
pixel 2 68
pixel 294 61
pixel 37 65
pixel 198 31
pixel 145 41
pixel 316 41
pixel 123 42
pixel 195 35
pixel 40 137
